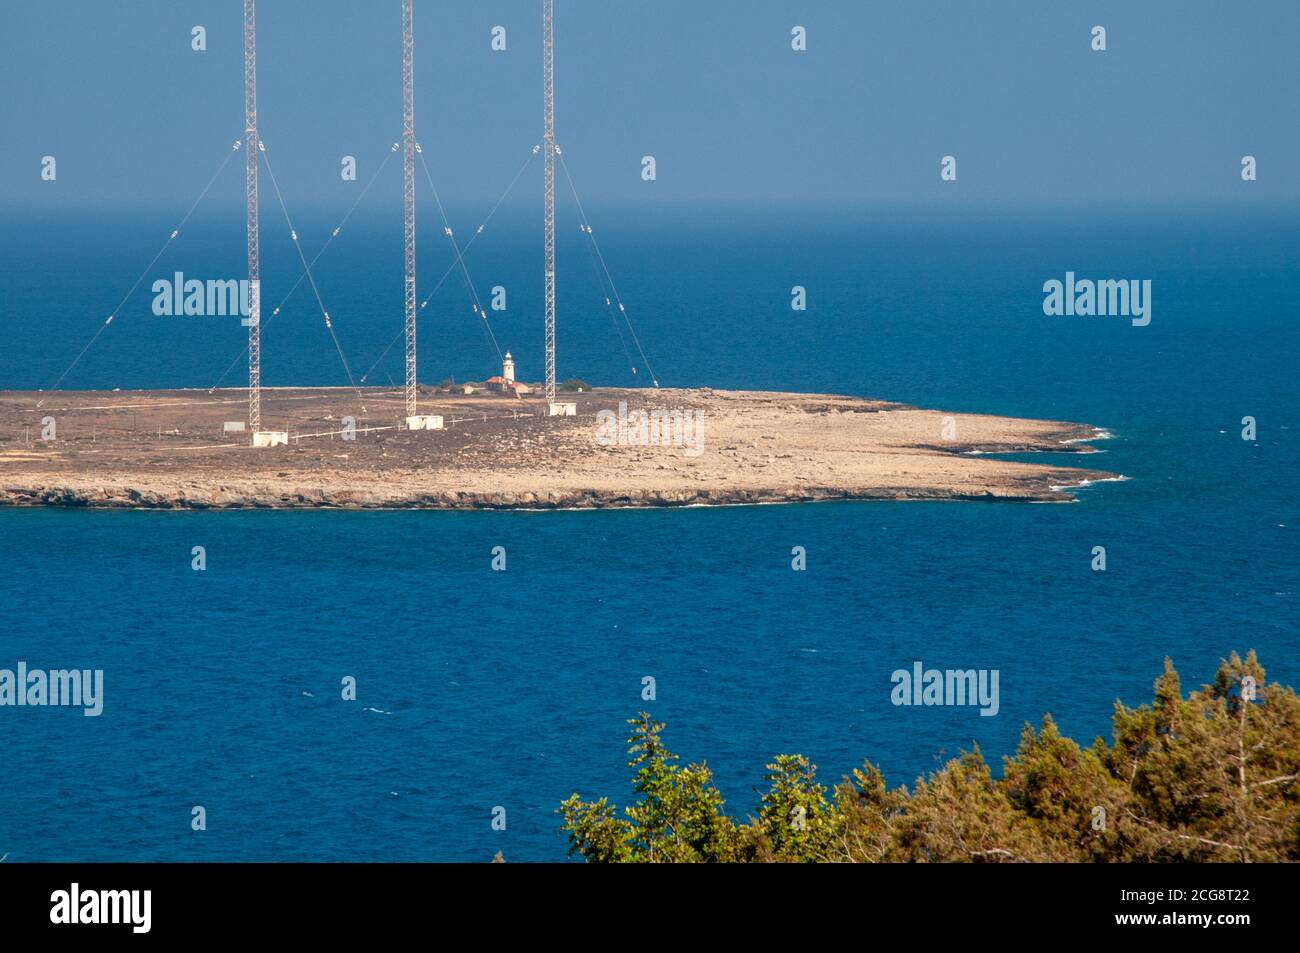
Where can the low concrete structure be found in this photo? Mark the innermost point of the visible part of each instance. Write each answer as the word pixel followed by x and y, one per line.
pixel 561 408
pixel 270 438
pixel 424 422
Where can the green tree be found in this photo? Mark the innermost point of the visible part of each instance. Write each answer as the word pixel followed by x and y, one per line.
pixel 1212 776
pixel 960 813
pixel 795 822
pixel 1067 792
pixel 678 818
pixel 867 815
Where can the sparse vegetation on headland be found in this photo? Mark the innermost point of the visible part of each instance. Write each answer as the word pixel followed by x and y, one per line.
pixel 1212 776
pixel 351 449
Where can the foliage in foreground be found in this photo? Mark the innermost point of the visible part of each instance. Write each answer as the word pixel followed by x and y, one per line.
pixel 1209 777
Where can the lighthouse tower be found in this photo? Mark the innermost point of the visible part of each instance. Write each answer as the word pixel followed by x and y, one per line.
pixel 508 368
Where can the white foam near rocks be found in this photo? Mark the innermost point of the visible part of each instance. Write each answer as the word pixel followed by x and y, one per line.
pixel 1056 488
pixel 1097 434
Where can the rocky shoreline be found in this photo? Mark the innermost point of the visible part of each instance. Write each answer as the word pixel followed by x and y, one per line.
pixel 222 498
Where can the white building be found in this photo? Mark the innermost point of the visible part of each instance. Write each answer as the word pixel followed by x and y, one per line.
pixel 505 383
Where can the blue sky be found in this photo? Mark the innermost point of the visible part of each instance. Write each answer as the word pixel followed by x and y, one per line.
pixel 711 89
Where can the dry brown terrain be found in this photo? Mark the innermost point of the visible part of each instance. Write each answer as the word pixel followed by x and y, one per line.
pixel 168 449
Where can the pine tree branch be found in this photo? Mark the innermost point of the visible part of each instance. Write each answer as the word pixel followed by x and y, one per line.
pixel 1191 837
pixel 1285 777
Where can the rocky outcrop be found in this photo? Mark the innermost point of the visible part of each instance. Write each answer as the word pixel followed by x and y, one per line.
pixel 299 498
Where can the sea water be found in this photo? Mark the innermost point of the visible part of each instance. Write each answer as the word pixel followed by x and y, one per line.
pixel 478 689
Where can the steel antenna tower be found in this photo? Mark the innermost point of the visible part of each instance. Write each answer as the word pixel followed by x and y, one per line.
pixel 548 147
pixel 408 165
pixel 251 148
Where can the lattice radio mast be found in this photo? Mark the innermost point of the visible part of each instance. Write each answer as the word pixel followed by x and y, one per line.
pixel 251 147
pixel 408 166
pixel 548 147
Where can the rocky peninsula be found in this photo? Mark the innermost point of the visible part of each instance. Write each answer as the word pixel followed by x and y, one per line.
pixel 623 448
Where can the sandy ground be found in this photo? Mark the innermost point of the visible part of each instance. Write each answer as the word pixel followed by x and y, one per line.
pixel 169 449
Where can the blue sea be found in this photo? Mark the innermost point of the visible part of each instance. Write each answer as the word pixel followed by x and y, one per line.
pixel 479 689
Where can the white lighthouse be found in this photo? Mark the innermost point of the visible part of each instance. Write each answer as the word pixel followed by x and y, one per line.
pixel 508 368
